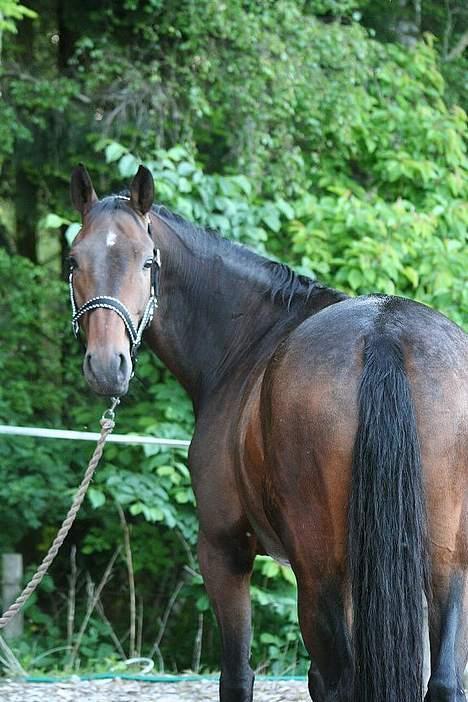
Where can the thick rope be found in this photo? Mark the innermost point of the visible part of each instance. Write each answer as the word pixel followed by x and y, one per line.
pixel 107 425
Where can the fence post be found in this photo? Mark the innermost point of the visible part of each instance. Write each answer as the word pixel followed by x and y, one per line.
pixel 12 580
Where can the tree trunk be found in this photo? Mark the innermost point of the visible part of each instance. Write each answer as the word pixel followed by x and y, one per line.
pixel 26 213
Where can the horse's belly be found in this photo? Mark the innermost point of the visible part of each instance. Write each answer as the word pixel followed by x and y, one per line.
pixel 268 542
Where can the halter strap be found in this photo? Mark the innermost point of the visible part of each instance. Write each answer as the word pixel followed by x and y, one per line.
pixel 112 303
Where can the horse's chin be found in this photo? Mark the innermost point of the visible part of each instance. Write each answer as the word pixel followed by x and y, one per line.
pixel 109 390
pixel 106 388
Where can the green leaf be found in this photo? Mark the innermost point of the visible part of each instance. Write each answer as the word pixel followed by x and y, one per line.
pixel 185 168
pixel 202 603
pixel 285 208
pixel 114 151
pixel 177 153
pixel 128 166
pixel 412 275
pixel 244 184
pixel 288 575
pixel 54 221
pixel 71 232
pixel 355 279
pixel 267 638
pixel 96 497
pixel 270 568
pixel 271 219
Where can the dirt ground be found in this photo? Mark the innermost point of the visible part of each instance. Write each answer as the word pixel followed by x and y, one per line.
pixel 130 691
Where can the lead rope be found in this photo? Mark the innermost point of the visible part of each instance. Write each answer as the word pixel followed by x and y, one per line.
pixel 107 425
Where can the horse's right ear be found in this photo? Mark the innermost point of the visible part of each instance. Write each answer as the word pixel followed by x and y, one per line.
pixel 81 189
pixel 142 191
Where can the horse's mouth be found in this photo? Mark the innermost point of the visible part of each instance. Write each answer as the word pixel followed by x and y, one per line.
pixel 105 390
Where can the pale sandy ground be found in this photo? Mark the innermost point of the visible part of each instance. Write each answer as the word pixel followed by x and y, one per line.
pixel 129 691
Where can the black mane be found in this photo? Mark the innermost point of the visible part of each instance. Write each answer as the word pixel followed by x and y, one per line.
pixel 285 286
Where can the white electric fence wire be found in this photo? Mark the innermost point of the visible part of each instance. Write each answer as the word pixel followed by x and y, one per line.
pixel 131 439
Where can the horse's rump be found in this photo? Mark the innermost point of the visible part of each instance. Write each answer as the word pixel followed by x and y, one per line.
pixel 313 409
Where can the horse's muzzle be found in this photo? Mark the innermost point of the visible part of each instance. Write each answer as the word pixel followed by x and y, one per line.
pixel 108 374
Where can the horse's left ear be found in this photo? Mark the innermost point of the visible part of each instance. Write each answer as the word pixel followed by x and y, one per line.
pixel 142 191
pixel 81 190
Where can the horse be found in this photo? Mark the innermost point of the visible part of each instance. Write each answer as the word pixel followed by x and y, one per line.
pixel 330 433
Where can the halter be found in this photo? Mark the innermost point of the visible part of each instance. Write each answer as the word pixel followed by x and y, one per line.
pixel 112 303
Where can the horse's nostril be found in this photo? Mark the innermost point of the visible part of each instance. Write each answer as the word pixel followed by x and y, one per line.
pixel 88 361
pixel 122 365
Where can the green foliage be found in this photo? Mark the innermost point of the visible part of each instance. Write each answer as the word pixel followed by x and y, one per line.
pixel 10 12
pixel 335 8
pixel 391 214
pixel 226 203
pixel 369 245
pixel 34 487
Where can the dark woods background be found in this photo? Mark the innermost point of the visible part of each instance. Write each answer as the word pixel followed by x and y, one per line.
pixel 328 133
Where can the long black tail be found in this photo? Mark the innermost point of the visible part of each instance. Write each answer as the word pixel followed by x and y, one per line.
pixel 387 533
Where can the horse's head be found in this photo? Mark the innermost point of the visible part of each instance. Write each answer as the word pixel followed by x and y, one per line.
pixel 111 280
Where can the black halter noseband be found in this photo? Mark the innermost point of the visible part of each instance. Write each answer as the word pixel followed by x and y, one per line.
pixel 135 333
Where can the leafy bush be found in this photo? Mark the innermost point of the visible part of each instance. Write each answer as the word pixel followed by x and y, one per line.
pixel 392 215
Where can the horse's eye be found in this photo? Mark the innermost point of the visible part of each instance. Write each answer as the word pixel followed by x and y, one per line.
pixel 72 263
pixel 148 263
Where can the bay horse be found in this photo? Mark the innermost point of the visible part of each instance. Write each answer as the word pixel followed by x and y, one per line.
pixel 331 433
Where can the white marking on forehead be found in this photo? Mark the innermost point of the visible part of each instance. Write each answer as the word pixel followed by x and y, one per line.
pixel 111 238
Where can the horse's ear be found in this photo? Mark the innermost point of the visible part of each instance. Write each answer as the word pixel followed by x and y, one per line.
pixel 81 189
pixel 142 191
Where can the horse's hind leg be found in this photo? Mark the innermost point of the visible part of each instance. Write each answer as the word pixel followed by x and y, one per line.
pixel 448 611
pixel 448 629
pixel 226 570
pixel 323 625
pixel 443 438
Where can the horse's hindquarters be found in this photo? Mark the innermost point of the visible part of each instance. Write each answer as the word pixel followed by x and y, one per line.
pixel 310 416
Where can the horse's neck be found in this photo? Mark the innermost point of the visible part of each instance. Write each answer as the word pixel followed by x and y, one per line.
pixel 215 316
